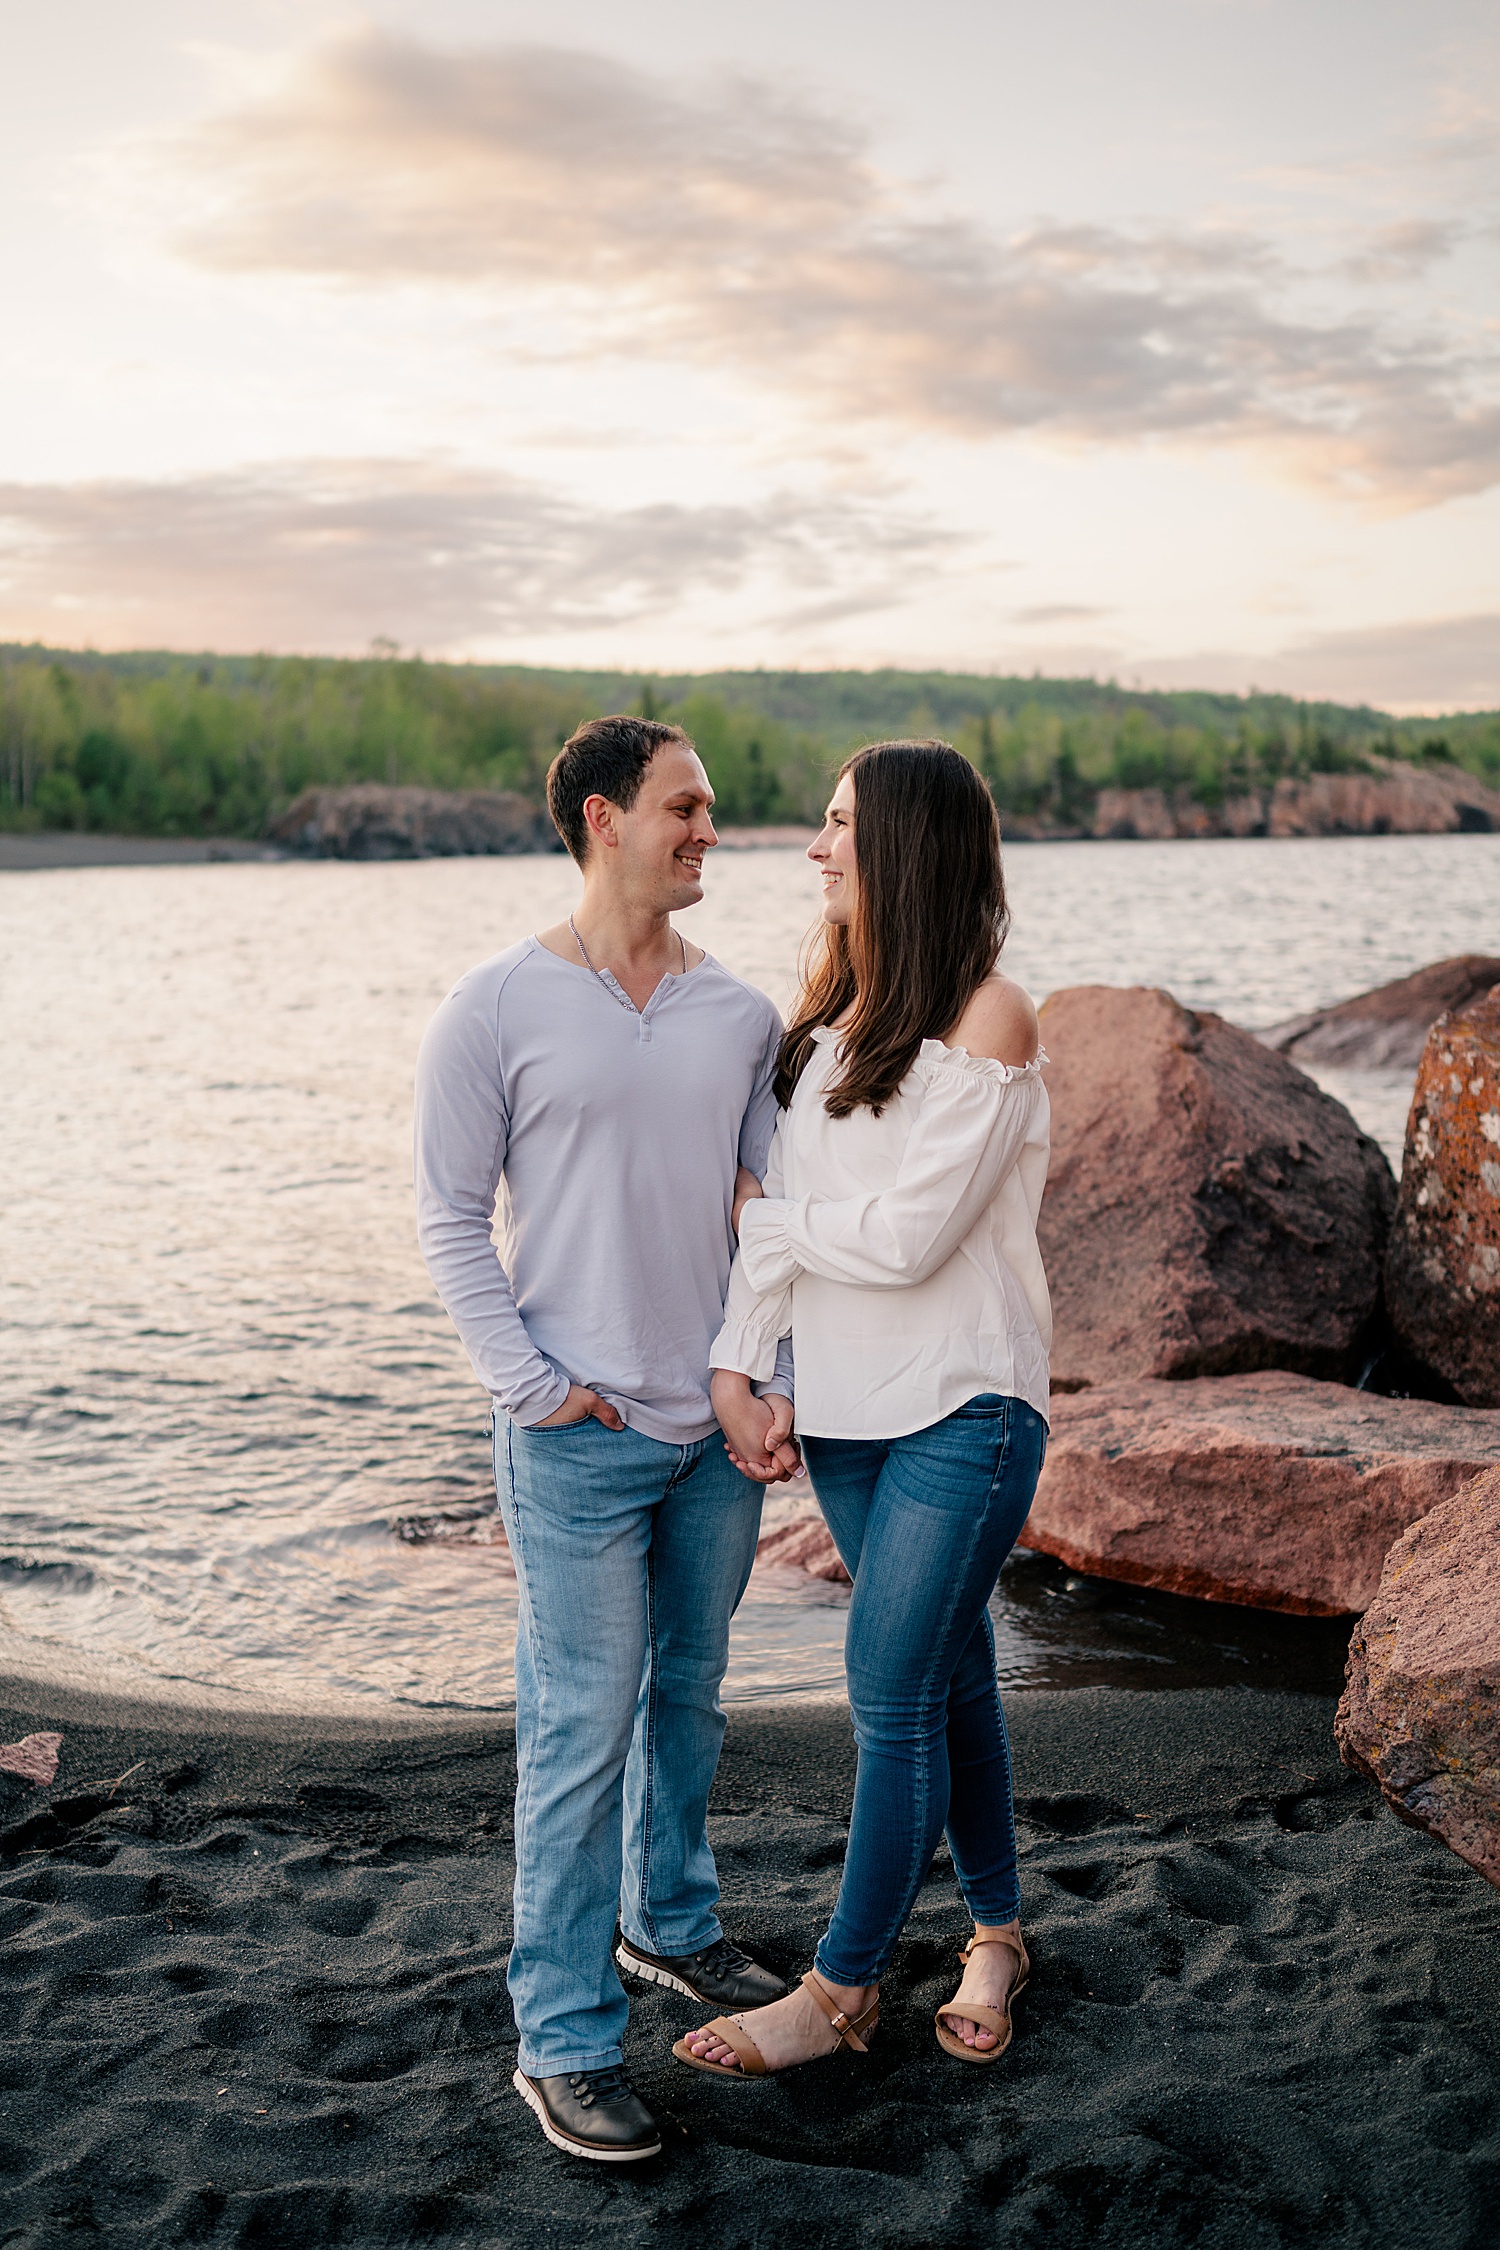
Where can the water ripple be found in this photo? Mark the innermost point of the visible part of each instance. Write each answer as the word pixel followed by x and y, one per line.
pixel 227 1378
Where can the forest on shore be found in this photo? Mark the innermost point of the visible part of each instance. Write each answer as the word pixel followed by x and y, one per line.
pixel 161 744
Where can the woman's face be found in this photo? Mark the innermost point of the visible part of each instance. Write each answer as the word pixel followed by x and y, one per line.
pixel 833 855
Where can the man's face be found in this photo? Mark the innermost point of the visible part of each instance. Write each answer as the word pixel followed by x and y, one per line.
pixel 658 845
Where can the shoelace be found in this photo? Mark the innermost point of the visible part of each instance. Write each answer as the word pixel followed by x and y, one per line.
pixel 723 1958
pixel 609 2085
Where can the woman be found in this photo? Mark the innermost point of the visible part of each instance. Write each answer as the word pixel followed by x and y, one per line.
pixel 896 1239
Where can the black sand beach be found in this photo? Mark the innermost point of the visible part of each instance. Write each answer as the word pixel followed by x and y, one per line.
pixel 254 1994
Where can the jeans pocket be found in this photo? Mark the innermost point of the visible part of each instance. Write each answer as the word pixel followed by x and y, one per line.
pixel 555 1429
pixel 987 1408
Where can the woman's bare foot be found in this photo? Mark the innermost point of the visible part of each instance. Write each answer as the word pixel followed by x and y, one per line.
pixel 791 2030
pixel 989 1974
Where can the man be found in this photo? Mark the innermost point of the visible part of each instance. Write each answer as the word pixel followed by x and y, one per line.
pixel 612 1083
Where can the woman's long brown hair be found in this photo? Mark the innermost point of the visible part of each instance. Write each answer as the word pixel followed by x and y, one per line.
pixel 928 926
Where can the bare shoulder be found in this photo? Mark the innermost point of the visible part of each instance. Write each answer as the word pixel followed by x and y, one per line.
pixel 999 1022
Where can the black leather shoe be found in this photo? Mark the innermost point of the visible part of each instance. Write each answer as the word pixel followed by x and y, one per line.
pixel 720 1974
pixel 594 2113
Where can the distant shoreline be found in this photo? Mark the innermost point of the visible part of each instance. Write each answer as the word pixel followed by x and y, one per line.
pixel 68 847
pixel 73 848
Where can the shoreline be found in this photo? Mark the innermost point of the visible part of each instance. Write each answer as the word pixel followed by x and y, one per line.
pixel 256 1971
pixel 37 851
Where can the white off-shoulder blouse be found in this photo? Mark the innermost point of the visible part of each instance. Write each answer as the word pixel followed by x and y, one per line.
pixel 899 1251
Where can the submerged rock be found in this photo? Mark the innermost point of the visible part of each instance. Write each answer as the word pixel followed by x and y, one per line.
pixel 372 822
pixel 1209 1210
pixel 1421 1712
pixel 1443 1267
pixel 1385 1029
pixel 1266 1489
pixel 806 1543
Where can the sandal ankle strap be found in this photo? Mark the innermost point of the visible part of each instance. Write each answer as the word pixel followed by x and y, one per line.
pixel 848 2027
pixel 1013 1944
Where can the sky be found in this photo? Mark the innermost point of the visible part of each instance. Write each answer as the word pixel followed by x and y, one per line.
pixel 1157 340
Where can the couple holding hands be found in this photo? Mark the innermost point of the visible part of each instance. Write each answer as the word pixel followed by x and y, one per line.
pixel 638 1110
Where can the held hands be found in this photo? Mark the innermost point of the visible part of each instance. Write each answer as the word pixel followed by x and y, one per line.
pixel 757 1431
pixel 579 1404
pixel 747 1189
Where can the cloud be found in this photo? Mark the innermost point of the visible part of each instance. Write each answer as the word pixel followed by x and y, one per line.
pixel 732 224
pixel 1432 664
pixel 327 554
pixel 1057 613
pixel 1425 664
pixel 1406 250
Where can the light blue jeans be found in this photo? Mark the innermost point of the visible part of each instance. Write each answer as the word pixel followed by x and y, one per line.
pixel 631 1558
pixel 923 1524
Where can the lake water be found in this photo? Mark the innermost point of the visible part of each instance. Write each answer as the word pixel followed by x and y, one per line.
pixel 226 1375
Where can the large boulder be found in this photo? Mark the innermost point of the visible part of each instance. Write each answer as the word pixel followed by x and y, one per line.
pixel 1421 1712
pixel 1267 1489
pixel 1209 1210
pixel 368 821
pixel 1442 1276
pixel 1385 1029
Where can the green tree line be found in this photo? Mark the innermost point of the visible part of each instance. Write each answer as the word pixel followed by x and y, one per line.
pixel 155 744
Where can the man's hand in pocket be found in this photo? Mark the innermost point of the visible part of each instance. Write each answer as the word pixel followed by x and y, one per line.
pixel 579 1404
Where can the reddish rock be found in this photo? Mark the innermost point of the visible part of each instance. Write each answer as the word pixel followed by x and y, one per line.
pixel 1265 1489
pixel 1390 798
pixel 34 1757
pixel 1421 1712
pixel 804 1544
pixel 1442 1276
pixel 1209 1210
pixel 1385 1029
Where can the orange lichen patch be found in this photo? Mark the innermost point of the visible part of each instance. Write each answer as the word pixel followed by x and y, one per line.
pixel 1443 1266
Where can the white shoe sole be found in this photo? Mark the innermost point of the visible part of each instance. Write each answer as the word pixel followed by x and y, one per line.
pixel 649 1973
pixel 533 2101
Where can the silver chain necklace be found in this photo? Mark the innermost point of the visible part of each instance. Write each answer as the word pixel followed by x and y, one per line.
pixel 612 989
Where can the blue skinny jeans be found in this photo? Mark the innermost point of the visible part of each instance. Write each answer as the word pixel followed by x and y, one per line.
pixel 923 1524
pixel 630 1557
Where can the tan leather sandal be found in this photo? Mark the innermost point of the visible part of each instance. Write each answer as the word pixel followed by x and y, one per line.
pixel 852 2033
pixel 993 2019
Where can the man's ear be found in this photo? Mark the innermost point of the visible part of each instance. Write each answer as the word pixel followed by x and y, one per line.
pixel 599 818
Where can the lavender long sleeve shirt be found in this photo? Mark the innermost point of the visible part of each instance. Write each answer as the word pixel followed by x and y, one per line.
pixel 605 1144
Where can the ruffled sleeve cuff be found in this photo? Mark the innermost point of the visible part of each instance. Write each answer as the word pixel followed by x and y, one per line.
pixel 766 1251
pixel 747 1347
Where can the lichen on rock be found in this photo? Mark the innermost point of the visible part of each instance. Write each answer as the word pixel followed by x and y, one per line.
pixel 1442 1274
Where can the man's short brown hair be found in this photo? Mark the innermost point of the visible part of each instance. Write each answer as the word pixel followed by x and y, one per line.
pixel 603 758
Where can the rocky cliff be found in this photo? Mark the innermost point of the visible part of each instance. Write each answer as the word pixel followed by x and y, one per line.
pixel 1391 799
